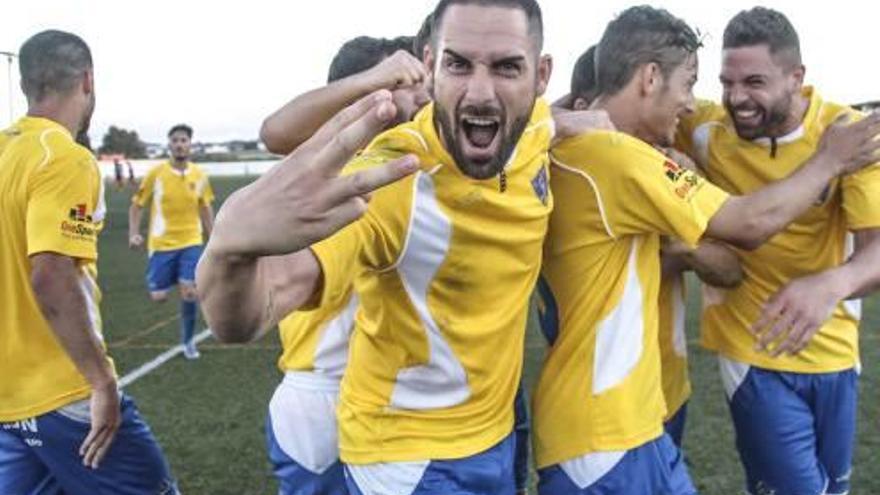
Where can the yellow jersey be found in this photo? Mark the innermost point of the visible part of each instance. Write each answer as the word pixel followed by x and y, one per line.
pixel 818 240
pixel 600 388
pixel 316 340
pixel 175 197
pixel 449 263
pixel 51 200
pixel 673 342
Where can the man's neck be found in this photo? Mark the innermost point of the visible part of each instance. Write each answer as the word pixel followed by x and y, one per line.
pixel 179 164
pixel 56 110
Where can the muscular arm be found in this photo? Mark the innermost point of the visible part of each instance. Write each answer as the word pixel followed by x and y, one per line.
pixel 55 281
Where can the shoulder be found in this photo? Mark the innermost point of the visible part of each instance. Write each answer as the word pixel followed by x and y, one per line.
pixel 604 150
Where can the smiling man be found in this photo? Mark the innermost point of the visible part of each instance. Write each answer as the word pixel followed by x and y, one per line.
pixel 787 338
pixel 451 253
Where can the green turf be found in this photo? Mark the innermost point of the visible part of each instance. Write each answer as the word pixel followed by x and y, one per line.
pixel 208 415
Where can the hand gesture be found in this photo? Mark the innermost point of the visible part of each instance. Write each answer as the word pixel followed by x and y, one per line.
pixel 303 199
pixel 570 123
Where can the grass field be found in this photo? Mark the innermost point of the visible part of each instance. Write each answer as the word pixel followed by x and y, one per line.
pixel 208 414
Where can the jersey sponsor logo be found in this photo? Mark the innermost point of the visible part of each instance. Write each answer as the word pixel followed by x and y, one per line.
pixel 539 184
pixel 80 224
pixel 685 182
pixel 79 213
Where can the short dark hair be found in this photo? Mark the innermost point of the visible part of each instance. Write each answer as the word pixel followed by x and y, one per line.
pixel 763 26
pixel 638 36
pixel 181 128
pixel 52 62
pixel 423 37
pixel 529 7
pixel 583 78
pixel 362 53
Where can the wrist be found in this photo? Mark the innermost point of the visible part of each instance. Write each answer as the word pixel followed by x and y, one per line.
pixel 839 282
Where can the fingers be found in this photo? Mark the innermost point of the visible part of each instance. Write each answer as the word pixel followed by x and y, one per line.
pixel 362 183
pixel 772 311
pixel 781 325
pixel 347 140
pixel 374 107
pixel 97 443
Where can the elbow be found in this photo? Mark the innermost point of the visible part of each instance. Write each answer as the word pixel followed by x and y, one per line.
pixel 231 334
pixel 752 235
pixel 729 279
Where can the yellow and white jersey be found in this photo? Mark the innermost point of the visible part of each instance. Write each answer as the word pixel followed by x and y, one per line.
pixel 449 263
pixel 316 340
pixel 51 200
pixel 175 197
pixel 673 342
pixel 815 242
pixel 600 388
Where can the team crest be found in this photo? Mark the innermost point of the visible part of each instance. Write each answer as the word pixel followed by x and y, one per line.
pixel 78 214
pixel 539 184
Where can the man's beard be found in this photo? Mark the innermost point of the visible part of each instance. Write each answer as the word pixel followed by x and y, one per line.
pixel 481 170
pixel 772 119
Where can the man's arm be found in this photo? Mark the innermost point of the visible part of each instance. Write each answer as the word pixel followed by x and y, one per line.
pixel 257 266
pixel 206 215
pixel 749 221
pixel 55 282
pixel 715 264
pixel 287 128
pixel 805 304
pixel 135 239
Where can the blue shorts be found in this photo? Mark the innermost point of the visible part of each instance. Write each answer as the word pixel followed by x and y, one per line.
pixel 41 456
pixel 166 268
pixel 486 473
pixel 656 467
pixel 675 426
pixel 795 432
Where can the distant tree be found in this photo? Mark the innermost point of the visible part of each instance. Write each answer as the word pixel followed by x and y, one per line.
pixel 118 140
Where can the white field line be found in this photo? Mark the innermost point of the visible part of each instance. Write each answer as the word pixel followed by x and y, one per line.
pixel 159 360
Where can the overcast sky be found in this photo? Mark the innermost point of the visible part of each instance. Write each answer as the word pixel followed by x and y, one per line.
pixel 223 66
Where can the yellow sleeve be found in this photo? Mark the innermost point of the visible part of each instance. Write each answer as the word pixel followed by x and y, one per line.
pixel 63 197
pixel 207 196
pixel 643 191
pixel 145 190
pixel 373 242
pixel 861 198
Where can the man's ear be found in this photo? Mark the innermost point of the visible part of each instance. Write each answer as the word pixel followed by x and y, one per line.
pixel 545 68
pixel 580 104
pixel 650 78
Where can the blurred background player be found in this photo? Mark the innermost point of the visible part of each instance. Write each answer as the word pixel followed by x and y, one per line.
pixel 787 337
pixel 181 218
pixel 64 427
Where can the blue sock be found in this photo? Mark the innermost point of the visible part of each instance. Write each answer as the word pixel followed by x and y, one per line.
pixel 187 320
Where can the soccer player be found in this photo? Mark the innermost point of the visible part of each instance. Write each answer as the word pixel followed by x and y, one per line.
pixel 301 431
pixel 180 196
pixel 451 253
pixel 713 263
pixel 599 406
pixel 790 378
pixel 64 426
